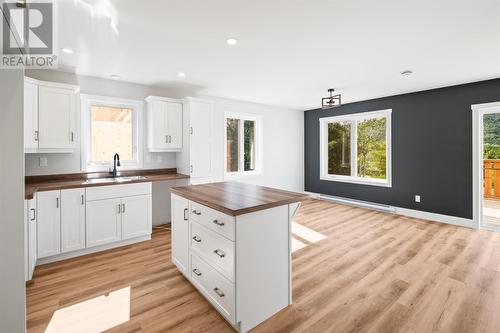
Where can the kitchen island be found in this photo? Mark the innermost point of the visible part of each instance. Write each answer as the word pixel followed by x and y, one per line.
pixel 232 241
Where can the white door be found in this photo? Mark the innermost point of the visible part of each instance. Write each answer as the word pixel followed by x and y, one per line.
pixel 174 125
pixel 136 216
pixel 201 140
pixel 72 220
pixel 56 116
pixel 103 222
pixel 32 237
pixel 159 124
pixel 49 223
pixel 30 115
pixel 180 233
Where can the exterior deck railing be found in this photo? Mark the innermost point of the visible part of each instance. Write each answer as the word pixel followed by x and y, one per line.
pixel 491 178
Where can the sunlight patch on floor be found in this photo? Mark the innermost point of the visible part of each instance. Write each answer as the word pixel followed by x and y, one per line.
pixel 306 234
pixel 94 315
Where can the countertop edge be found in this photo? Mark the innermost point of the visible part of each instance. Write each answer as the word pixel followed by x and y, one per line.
pixel 54 187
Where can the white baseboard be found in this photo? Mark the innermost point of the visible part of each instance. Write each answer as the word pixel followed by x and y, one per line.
pixel 454 220
pixel 82 252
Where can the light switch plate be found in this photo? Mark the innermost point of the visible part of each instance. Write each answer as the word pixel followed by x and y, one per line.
pixel 43 161
pixel 417 198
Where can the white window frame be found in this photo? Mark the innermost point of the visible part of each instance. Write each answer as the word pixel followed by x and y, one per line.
pixel 87 101
pixel 241 157
pixel 354 119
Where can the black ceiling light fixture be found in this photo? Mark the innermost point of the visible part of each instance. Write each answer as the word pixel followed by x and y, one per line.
pixel 331 101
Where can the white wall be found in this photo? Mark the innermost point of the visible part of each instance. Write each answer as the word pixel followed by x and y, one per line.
pixel 12 224
pixel 282 143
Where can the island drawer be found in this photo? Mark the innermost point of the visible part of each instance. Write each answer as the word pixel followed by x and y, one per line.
pixel 215 287
pixel 215 249
pixel 219 222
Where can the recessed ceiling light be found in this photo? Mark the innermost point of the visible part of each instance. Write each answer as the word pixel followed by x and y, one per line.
pixel 181 74
pixel 231 41
pixel 115 77
pixel 67 51
pixel 406 72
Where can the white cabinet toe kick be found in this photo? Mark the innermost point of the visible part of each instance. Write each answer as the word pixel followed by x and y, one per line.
pixel 240 264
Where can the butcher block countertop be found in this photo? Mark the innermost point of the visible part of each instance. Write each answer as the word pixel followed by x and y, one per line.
pixel 76 180
pixel 234 198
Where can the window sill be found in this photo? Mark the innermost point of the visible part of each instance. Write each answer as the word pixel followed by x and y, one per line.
pixel 241 175
pixel 357 180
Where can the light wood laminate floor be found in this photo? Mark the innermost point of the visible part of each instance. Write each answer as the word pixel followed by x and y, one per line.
pixel 374 272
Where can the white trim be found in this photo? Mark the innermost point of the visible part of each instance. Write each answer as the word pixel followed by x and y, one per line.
pixel 478 111
pixel 138 128
pixel 448 219
pixel 258 145
pixel 353 119
pixel 94 249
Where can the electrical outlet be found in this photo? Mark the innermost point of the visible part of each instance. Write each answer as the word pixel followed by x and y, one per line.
pixel 43 161
pixel 417 198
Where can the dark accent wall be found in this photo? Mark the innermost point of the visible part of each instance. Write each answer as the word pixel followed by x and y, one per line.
pixel 431 149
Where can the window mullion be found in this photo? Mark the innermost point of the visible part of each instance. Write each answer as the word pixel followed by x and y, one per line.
pixel 354 148
pixel 241 146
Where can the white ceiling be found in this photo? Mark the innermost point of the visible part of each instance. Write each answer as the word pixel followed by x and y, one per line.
pixel 290 51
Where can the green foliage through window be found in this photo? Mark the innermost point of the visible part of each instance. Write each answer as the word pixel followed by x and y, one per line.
pixel 491 134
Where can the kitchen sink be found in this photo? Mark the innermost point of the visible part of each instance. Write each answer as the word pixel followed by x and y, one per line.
pixel 113 180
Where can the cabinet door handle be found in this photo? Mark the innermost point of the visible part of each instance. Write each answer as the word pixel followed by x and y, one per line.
pixel 196 212
pixel 219 292
pixel 197 239
pixel 36 135
pixel 123 208
pixel 83 200
pixel 57 202
pixel 220 224
pixel 34 214
pixel 197 271
pixel 166 138
pixel 72 136
pixel 119 208
pixel 191 168
pixel 220 253
pixel 191 130
pixel 185 214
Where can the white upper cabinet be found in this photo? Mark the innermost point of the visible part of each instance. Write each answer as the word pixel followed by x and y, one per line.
pixel 30 114
pixel 164 119
pixel 49 112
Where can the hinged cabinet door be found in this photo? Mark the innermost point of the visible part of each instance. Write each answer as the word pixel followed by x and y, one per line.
pixel 56 116
pixel 180 233
pixel 104 223
pixel 49 223
pixel 136 216
pixel 174 125
pixel 72 220
pixel 30 115
pixel 158 110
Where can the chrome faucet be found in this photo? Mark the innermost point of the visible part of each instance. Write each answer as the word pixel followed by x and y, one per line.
pixel 116 162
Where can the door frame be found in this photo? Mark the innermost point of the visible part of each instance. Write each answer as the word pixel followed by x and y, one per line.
pixel 478 111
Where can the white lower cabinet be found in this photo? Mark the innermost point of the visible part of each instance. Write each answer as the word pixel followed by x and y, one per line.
pixel 241 264
pixel 30 238
pixel 103 222
pixel 49 223
pixel 136 216
pixel 180 233
pixel 72 220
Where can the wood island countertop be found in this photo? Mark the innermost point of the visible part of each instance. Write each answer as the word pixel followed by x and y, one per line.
pixel 35 184
pixel 235 198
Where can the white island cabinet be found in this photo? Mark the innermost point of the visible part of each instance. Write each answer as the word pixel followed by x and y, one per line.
pixel 232 241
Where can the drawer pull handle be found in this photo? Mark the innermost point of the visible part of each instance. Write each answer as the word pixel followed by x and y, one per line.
pixel 219 292
pixel 220 253
pixel 220 224
pixel 197 271
pixel 196 212
pixel 197 239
